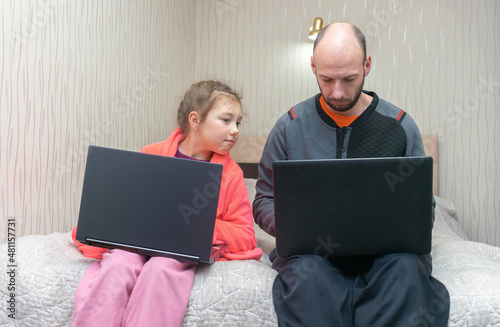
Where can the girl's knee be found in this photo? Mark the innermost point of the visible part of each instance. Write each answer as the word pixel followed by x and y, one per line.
pixel 158 265
pixel 123 262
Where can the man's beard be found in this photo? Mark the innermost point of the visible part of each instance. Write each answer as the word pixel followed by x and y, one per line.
pixel 348 105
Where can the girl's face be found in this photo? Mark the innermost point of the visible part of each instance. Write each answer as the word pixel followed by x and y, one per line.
pixel 219 131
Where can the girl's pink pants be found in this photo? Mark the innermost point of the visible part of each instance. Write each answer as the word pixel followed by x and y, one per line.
pixel 128 289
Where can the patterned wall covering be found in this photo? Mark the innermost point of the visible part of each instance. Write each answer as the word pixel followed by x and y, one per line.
pixel 111 73
pixel 75 73
pixel 438 60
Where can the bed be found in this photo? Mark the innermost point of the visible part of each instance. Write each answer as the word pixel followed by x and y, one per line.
pixel 50 267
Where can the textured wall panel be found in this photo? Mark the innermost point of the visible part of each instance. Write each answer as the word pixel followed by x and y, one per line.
pixel 74 73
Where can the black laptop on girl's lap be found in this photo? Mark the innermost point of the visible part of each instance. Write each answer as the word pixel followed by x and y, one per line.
pixel 150 204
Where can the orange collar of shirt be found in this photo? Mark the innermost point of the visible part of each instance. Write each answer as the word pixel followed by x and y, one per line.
pixel 340 120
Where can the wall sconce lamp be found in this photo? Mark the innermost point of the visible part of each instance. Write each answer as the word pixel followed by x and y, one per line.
pixel 315 28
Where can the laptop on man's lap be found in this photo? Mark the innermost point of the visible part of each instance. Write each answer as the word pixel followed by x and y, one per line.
pixel 349 207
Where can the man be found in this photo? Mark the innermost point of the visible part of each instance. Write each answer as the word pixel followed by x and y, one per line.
pixel 345 122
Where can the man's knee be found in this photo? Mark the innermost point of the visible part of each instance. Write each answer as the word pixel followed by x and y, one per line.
pixel 304 269
pixel 409 264
pixel 404 259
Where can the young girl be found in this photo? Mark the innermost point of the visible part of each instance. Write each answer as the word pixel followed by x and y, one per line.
pixel 128 289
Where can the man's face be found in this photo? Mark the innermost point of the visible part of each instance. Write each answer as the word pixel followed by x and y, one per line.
pixel 340 79
pixel 345 99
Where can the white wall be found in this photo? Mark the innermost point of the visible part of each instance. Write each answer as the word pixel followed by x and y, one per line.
pixel 74 73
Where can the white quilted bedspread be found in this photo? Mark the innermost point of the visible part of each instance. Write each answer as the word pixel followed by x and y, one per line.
pixel 50 268
pixel 239 293
pixel 470 271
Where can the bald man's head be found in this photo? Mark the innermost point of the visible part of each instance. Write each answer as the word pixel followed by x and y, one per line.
pixel 341 32
pixel 340 64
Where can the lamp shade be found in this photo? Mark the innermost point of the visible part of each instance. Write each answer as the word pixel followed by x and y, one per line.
pixel 315 28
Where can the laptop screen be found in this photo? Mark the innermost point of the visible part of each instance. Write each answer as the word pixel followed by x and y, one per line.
pixel 159 205
pixel 368 206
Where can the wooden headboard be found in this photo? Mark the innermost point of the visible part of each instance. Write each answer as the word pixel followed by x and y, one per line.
pixel 248 150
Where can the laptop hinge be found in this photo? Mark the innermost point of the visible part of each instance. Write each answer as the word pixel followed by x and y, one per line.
pixel 139 250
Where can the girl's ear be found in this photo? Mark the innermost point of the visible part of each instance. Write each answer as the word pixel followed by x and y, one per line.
pixel 194 120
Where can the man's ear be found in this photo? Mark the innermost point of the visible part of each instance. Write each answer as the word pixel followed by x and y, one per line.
pixel 368 64
pixel 194 120
pixel 313 66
